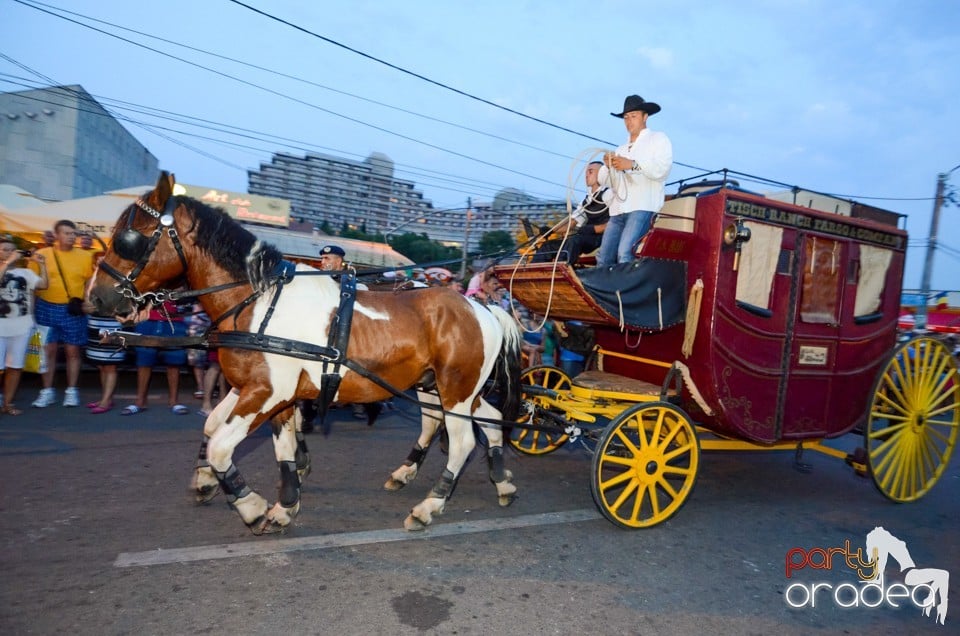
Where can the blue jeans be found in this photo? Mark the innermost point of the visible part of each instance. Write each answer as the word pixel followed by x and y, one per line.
pixel 622 233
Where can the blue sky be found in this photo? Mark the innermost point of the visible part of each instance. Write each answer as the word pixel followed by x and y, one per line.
pixel 855 98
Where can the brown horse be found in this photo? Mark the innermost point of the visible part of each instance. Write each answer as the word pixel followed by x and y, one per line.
pixel 431 339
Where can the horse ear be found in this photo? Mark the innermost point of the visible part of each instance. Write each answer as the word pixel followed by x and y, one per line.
pixel 163 190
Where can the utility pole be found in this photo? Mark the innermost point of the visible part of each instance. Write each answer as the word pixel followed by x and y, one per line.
pixel 466 239
pixel 921 317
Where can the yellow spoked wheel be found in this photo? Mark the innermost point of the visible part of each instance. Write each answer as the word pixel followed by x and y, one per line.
pixel 541 442
pixel 645 465
pixel 913 419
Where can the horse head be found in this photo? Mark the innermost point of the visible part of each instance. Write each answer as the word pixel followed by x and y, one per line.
pixel 146 252
pixel 163 239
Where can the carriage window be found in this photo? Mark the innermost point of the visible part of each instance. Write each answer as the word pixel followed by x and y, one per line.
pixel 821 277
pixel 758 262
pixel 874 263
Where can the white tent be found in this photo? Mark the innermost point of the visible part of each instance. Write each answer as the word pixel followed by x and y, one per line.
pixel 99 214
pixel 92 214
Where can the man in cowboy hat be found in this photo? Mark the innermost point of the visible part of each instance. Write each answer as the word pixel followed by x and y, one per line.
pixel 635 172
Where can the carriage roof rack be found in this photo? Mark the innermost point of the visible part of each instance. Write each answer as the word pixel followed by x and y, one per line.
pixel 790 193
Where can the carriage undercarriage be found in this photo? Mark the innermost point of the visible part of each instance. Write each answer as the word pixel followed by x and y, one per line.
pixel 647 450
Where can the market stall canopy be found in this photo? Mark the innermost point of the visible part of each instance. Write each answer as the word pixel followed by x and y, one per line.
pixel 98 215
pixel 95 215
pixel 306 247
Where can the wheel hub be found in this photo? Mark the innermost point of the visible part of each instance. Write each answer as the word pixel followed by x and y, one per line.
pixel 918 421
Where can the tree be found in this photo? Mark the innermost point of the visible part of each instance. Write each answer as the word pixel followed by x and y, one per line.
pixel 421 249
pixel 496 241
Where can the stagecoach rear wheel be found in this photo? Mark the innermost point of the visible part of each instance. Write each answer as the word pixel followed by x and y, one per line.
pixel 913 419
pixel 645 465
pixel 541 442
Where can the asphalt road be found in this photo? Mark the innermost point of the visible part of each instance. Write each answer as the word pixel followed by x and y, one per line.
pixel 100 536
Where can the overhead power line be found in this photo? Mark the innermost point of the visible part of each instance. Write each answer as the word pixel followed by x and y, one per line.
pixel 303 80
pixel 414 74
pixel 294 99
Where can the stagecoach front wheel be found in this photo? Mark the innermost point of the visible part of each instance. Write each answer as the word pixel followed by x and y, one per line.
pixel 645 465
pixel 545 440
pixel 913 420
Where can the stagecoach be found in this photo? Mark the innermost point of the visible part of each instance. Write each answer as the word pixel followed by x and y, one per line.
pixel 747 322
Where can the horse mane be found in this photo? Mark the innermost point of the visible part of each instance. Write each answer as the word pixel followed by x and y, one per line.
pixel 228 243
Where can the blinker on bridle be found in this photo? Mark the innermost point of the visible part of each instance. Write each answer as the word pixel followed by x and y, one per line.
pixel 131 245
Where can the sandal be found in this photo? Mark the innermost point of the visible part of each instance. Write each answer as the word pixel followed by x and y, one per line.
pixel 198 395
pixel 10 409
pixel 132 409
pixel 179 409
pixel 203 413
pixel 97 410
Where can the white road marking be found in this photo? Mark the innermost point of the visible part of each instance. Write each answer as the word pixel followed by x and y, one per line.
pixel 268 546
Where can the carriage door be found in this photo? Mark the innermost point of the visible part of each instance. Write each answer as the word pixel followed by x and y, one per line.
pixel 812 335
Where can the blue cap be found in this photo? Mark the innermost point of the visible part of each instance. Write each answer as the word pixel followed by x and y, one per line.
pixel 333 249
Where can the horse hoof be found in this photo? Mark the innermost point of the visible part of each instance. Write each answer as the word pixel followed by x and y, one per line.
pixel 413 524
pixel 506 500
pixel 205 494
pixel 267 526
pixel 393 484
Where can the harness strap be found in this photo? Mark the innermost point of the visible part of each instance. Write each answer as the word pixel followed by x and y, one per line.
pixel 338 338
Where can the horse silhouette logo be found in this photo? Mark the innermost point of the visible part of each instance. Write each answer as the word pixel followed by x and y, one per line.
pixel 881 546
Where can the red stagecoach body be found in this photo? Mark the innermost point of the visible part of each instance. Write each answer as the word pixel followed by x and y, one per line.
pixel 795 323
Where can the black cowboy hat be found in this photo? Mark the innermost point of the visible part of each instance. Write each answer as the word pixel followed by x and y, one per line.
pixel 635 102
pixel 333 249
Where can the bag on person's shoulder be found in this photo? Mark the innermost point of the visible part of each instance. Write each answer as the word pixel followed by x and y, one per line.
pixel 75 307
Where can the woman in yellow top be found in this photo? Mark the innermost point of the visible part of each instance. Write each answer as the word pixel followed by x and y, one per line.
pixel 69 270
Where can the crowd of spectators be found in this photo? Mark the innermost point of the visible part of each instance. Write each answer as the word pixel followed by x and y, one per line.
pixel 41 288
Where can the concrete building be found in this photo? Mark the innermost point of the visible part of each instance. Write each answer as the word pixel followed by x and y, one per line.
pixel 366 195
pixel 59 143
pixel 360 194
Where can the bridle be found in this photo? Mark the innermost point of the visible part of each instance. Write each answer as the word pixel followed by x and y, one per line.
pixel 132 245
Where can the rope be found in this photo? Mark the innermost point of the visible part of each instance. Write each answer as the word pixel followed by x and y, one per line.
pixel 693 317
pixel 572 177
pixel 694 391
pixel 620 310
pixel 660 306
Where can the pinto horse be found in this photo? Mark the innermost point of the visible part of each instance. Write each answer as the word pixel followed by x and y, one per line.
pixel 433 340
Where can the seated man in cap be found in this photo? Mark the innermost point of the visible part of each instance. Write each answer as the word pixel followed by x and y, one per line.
pixel 331 258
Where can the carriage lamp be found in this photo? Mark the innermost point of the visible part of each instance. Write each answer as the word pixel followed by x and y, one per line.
pixel 736 234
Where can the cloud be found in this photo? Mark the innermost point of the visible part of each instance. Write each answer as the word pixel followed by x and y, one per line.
pixel 658 57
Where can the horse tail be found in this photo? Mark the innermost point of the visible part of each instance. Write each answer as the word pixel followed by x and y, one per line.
pixel 506 372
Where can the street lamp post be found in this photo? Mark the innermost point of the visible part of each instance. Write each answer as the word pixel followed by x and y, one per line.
pixel 921 316
pixel 466 239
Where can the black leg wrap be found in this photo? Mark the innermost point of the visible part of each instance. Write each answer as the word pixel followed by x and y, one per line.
pixel 302 455
pixel 234 487
pixel 416 456
pixel 202 455
pixel 289 484
pixel 445 485
pixel 372 410
pixel 495 462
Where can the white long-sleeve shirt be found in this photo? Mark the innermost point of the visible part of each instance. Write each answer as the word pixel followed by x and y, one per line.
pixel 640 189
